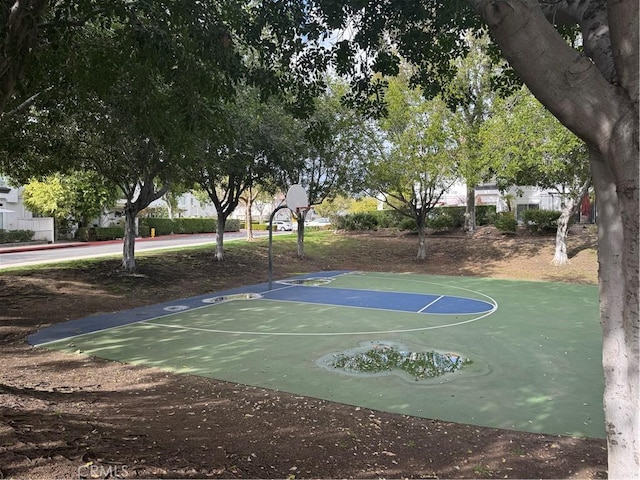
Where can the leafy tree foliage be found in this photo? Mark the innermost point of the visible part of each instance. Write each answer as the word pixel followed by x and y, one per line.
pixel 134 81
pixel 76 198
pixel 526 145
pixel 417 157
pixel 255 142
pixel 470 94
pixel 333 152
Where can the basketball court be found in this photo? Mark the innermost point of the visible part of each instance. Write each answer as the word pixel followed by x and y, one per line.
pixel 531 349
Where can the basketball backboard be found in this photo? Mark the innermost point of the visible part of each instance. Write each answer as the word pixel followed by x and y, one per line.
pixel 297 197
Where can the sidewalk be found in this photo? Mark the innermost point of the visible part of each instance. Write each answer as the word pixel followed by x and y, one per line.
pixel 40 246
pixel 72 244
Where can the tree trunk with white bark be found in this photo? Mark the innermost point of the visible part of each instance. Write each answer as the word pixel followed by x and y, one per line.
pixel 300 218
pixel 470 214
pixel 570 208
pixel 129 241
pixel 597 99
pixel 422 241
pixel 220 224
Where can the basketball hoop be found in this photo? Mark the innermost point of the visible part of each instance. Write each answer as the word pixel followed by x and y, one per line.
pixel 297 201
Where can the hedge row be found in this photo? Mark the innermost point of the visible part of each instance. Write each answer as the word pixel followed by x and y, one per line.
pixel 93 234
pixel 16 236
pixel 167 226
pixel 440 219
pixel 540 221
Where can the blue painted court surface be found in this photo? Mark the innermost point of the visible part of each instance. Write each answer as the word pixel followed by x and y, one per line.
pixel 533 347
pixel 285 291
pixel 395 301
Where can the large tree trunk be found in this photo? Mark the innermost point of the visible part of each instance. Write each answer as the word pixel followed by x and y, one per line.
pixel 220 224
pixel 128 247
pixel 597 99
pixel 618 284
pixel 422 242
pixel 300 217
pixel 470 214
pixel 571 207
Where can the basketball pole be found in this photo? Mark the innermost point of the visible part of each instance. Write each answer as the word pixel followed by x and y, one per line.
pixel 273 214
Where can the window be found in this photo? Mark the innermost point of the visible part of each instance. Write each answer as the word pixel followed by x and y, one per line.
pixel 521 207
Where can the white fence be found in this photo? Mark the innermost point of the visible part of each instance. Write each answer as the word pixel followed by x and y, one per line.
pixel 43 227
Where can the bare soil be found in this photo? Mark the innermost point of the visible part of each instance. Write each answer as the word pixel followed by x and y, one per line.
pixel 71 416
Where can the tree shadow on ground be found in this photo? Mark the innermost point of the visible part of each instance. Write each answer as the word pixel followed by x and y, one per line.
pixel 154 424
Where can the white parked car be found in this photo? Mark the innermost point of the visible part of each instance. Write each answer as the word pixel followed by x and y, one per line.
pixel 318 222
pixel 282 226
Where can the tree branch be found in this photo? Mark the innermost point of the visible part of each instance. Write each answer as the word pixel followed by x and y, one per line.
pixel 565 81
pixel 23 106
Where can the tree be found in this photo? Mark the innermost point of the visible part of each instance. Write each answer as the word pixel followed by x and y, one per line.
pixel 471 95
pixel 335 149
pixel 76 198
pixel 526 145
pixel 254 196
pixel 172 198
pixel 126 117
pixel 183 56
pixel 19 22
pixel 592 91
pixel 417 156
pixel 252 146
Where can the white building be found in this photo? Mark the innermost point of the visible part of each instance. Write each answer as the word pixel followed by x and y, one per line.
pixel 521 198
pixel 14 215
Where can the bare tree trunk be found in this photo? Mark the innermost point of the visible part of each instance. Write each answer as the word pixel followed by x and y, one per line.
pixel 220 238
pixel 247 217
pixel 618 283
pixel 300 243
pixel 470 214
pixel 560 257
pixel 422 243
pixel 597 99
pixel 129 242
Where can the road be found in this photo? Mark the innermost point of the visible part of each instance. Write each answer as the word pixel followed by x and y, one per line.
pixel 63 252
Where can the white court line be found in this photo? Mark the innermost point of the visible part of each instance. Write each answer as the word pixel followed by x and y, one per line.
pixel 315 334
pixel 428 305
pixel 284 287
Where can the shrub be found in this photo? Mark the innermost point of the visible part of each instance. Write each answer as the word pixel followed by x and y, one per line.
pixel 445 218
pixel 166 226
pixel 357 221
pixel 540 221
pixel 388 218
pixel 232 225
pixel 506 222
pixel 408 224
pixel 16 236
pixel 485 214
pixel 163 226
pixel 194 225
pixel 109 233
pixel 92 234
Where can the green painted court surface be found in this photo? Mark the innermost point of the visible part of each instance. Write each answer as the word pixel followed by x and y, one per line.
pixel 536 356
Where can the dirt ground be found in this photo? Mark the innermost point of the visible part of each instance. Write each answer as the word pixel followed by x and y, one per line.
pixel 71 416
